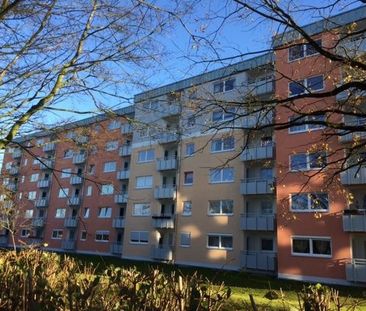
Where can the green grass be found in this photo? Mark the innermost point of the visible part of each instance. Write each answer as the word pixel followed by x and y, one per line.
pixel 241 283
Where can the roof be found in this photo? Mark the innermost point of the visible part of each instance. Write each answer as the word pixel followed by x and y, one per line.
pixel 216 74
pixel 325 24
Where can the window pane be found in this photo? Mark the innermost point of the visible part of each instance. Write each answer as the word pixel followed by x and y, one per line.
pixel 310 50
pixel 319 201
pixel 144 237
pixel 229 113
pixel 187 208
pixel 298 162
pixel 216 145
pixel 320 118
pixel 315 83
pixel 227 206
pixel 299 202
pixel 267 244
pixel 226 241
pixel 214 207
pixel 185 239
pixel 296 88
pixel 296 126
pixel 217 116
pixel 228 174
pixel 229 143
pixel 218 87
pixel 301 246
pixel 190 149
pixel 213 241
pixel 317 160
pixel 229 84
pixel 215 175
pixel 296 52
pixel 188 178
pixel 321 247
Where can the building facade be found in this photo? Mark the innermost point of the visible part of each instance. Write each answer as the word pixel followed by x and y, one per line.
pixel 182 176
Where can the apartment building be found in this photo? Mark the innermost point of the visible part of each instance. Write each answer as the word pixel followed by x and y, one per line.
pixel 182 176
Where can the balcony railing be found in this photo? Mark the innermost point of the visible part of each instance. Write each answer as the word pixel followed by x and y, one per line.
pixel 79 158
pixel 352 46
pixel 119 223
pixel 354 176
pixel 38 222
pixel 71 222
pixel 48 147
pixel 166 164
pixel 68 244
pixel 125 174
pixel 257 153
pixel 257 186
pixel 76 180
pixel 43 183
pixel 41 202
pixel 163 221
pixel 258 261
pixel 81 139
pixel 121 198
pixel 354 222
pixel 258 119
pixel 11 186
pixel 74 200
pixel 168 110
pixel 14 170
pixel 47 164
pixel 257 222
pixel 356 270
pixel 17 153
pixel 126 128
pixel 125 150
pixel 35 240
pixel 166 138
pixel 162 252
pixel 116 248
pixel 165 192
pixel 260 88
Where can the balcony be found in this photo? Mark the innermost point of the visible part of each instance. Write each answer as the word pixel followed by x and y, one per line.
pixel 125 174
pixel 258 119
pixel 76 180
pixel 169 110
pixel 14 170
pixel 68 245
pixel 3 240
pixel 257 186
pixel 71 222
pixel 166 138
pixel 35 240
pixel 165 192
pixel 354 221
pixel 49 147
pixel 257 222
pixel 81 139
pixel 17 153
pixel 356 270
pixel 351 47
pixel 46 164
pixel 162 252
pixel 79 158
pixel 125 150
pixel 257 153
pixel 166 164
pixel 38 222
pixel 43 183
pixel 121 198
pixel 41 202
pixel 126 128
pixel 73 201
pixel 351 93
pixel 258 261
pixel 11 186
pixel 354 176
pixel 119 223
pixel 116 248
pixel 163 221
pixel 260 88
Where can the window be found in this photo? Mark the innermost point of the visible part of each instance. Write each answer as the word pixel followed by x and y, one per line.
pixel 221 207
pixel 113 125
pixel 111 145
pixel 57 234
pixel 35 162
pixel 309 202
pixel 185 239
pixel 24 233
pixel 32 195
pixel 66 173
pixel 308 161
pixel 267 245
pixel 39 142
pixel 190 149
pixel 23 179
pixel 86 212
pixel 152 105
pixel 298 126
pixel 223 86
pixel 91 169
pixel 105 212
pixel 220 241
pixel 223 144
pixel 68 153
pixel 144 182
pixel 60 213
pixel 139 237
pixel 191 121
pixel 25 162
pixel 146 156
pixel 102 236
pixel 107 189
pixel 302 50
pixel 222 175
pixel 188 178
pixel 28 213
pixel 312 246
pixel 89 191
pixel 302 86
pixel 187 208
pixel 223 115
pixel 83 236
pixel 141 209
pixel 63 192
pixel 110 167
pixel 34 177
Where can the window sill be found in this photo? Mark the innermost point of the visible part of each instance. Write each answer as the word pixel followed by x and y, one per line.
pixel 309 211
pixel 311 255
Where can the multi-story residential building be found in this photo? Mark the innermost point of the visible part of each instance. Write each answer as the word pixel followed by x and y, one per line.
pixel 183 176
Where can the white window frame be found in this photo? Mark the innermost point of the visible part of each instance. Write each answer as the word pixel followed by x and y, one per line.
pixel 28 213
pixel 111 145
pixel 307 127
pixel 221 213
pixel 24 233
pixel 221 181
pixel 63 193
pixel 145 185
pixel 89 191
pixel 58 237
pixel 102 233
pixel 34 177
pixel 59 214
pixel 190 212
pixel 137 209
pixel 224 88
pixel 311 251
pixel 184 178
pixel 227 114
pixel 86 212
pixel 188 237
pixel 304 48
pixel 222 144
pixel 305 85
pixel 139 241
pixel 81 235
pixel 32 195
pixel 144 155
pixel 105 212
pixel 109 167
pixel 107 189
pixel 188 149
pixel 308 168
pixel 309 203
pixel 220 247
pixel 114 125
pixel 66 172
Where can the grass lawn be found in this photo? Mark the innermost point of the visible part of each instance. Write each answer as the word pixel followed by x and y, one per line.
pixel 241 283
